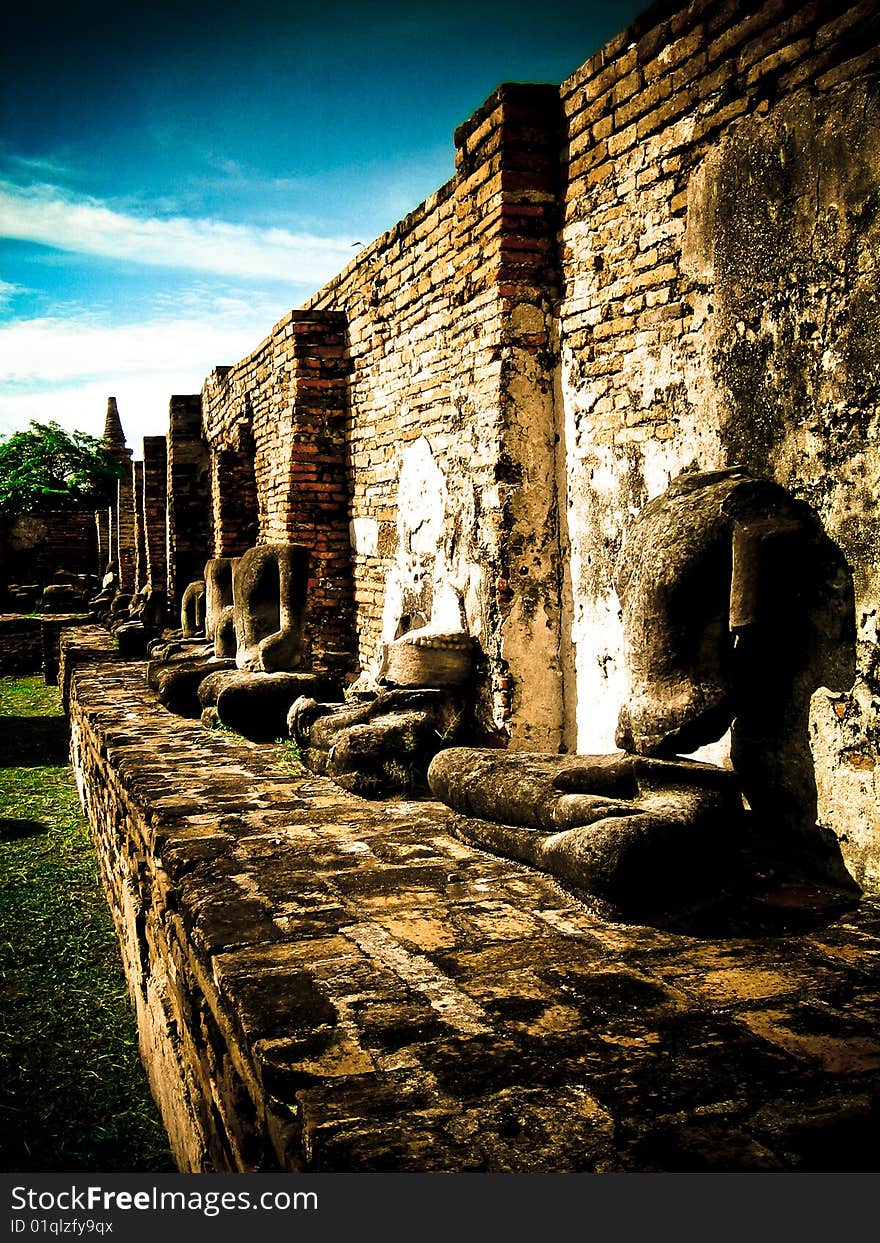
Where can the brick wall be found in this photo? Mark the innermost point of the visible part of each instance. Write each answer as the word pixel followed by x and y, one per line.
pixel 719 296
pixel 235 512
pixel 189 497
pixel 276 426
pixel 106 537
pixel 155 510
pixel 21 649
pixel 140 546
pixel 450 319
pixel 126 550
pixel 32 644
pixel 34 546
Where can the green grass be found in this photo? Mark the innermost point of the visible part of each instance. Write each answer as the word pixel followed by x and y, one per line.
pixel 73 1094
pixel 290 751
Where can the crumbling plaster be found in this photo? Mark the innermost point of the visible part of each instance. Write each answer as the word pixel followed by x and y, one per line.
pixel 772 260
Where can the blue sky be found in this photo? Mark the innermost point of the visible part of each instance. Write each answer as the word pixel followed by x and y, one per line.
pixel 173 180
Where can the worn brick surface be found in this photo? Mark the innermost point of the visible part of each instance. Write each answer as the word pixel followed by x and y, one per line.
pixel 188 488
pixel 155 511
pixel 32 644
pixel 326 983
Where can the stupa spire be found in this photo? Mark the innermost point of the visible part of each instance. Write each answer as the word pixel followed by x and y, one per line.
pixel 114 437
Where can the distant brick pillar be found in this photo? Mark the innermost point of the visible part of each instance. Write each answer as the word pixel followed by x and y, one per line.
pixel 140 549
pixel 102 541
pixel 108 521
pixel 155 510
pixel 121 518
pixel 125 532
pixel 302 474
pixel 189 496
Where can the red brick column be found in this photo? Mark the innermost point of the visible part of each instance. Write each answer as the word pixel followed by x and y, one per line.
pixel 140 549
pixel 189 517
pixel 125 531
pixel 307 502
pixel 155 508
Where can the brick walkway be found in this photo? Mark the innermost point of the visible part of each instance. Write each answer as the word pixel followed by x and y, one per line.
pixel 333 984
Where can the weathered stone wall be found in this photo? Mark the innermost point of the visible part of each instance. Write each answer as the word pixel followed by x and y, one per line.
pixel 21 649
pixel 106 534
pixel 32 644
pixel 449 418
pixel 155 511
pixel 452 430
pixel 140 545
pixel 235 507
pixel 720 274
pixel 715 304
pixel 126 546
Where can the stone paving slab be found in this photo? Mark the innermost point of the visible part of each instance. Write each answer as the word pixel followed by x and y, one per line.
pixel 327 983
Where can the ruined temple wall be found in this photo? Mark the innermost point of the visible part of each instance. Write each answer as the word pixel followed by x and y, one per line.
pixel 706 296
pixel 406 393
pixel 125 530
pixel 421 432
pixel 399 313
pixel 720 277
pixel 140 546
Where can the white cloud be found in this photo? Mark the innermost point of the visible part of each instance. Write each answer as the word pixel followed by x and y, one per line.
pixel 142 397
pixel 46 215
pixel 64 369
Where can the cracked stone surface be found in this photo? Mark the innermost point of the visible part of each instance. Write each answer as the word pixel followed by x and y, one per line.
pixel 326 983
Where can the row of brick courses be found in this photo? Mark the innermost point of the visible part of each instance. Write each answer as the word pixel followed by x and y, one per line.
pixel 155 511
pixel 399 312
pixel 102 547
pixel 140 546
pixel 20 644
pixel 32 644
pixel 235 512
pixel 712 63
pixel 317 513
pixel 106 527
pixel 527 281
pixel 35 546
pixel 188 483
pixel 672 284
pixel 123 515
pixel 276 424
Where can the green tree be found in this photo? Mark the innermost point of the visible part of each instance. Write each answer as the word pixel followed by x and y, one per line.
pixel 47 467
